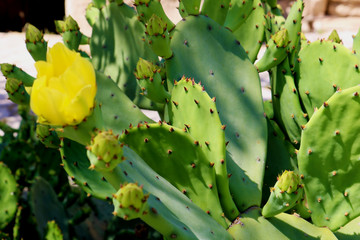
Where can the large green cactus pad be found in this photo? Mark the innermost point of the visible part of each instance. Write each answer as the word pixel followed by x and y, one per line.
pixel 329 160
pixel 325 66
pixel 228 75
pixel 188 104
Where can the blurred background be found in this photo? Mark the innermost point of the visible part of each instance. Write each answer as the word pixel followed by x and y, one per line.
pixel 320 18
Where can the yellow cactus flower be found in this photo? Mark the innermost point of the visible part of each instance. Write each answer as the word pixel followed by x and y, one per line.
pixel 65 88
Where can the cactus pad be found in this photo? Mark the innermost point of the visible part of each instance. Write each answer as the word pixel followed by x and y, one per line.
pixel 8 196
pixel 329 160
pixel 229 76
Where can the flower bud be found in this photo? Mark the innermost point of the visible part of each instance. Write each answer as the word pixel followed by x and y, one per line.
pixel 144 69
pixel 131 196
pixel 16 91
pixel 281 38
pixel 288 181
pixel 71 24
pixel 105 151
pixel 33 34
pixel 334 37
pixel 130 201
pixel 155 26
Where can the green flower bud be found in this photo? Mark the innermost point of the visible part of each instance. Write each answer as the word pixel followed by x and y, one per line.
pixel 60 26
pixel 33 34
pixel 288 181
pixel 105 151
pixel 334 37
pixel 281 38
pixel 130 202
pixel 155 26
pixel 144 69
pixel 16 91
pixel 6 69
pixel 12 85
pixel 131 195
pixel 71 24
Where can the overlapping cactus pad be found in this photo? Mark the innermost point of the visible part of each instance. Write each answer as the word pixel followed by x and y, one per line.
pixel 329 160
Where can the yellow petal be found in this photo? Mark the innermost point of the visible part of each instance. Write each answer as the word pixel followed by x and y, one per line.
pixel 61 57
pixel 80 107
pixel 47 103
pixel 44 69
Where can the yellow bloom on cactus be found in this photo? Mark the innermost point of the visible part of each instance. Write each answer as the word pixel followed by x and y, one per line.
pixel 65 88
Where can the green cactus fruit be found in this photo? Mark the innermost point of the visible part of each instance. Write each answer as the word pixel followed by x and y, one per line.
pixel 284 195
pixel 251 33
pixel 105 151
pixel 11 71
pixel 328 160
pixel 35 43
pixel 47 136
pixel 334 37
pixel 8 199
pixel 130 202
pixel 16 91
pixel 149 78
pixel 216 10
pixel 276 51
pixel 289 181
pixel 238 12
